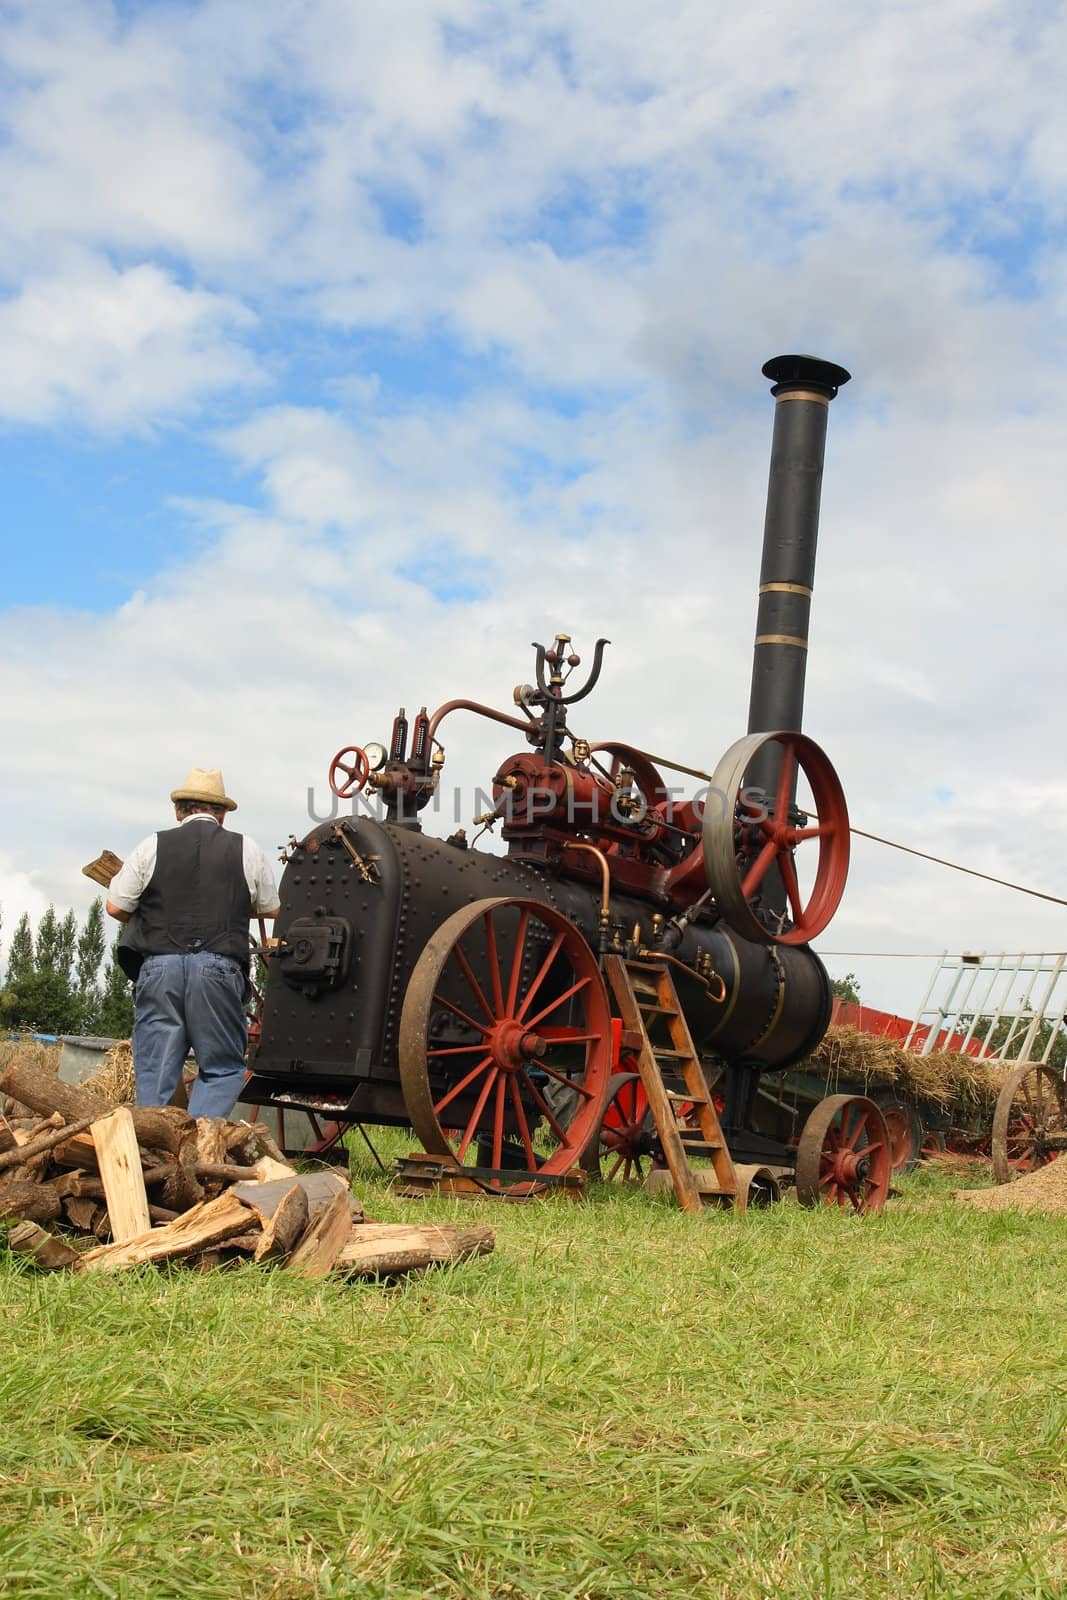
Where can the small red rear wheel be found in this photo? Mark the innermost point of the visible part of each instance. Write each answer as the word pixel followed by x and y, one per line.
pixel 625 1146
pixel 904 1128
pixel 843 1155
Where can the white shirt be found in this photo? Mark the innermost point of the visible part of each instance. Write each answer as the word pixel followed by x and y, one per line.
pixel 135 874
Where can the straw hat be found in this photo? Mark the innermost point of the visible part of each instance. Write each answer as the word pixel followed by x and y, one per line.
pixel 206 787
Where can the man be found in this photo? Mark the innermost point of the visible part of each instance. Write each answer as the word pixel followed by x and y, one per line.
pixel 186 896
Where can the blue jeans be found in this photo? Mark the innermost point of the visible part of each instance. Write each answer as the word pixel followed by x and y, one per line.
pixel 196 1000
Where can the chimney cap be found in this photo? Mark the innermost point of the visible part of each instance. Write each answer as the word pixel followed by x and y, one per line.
pixel 805 372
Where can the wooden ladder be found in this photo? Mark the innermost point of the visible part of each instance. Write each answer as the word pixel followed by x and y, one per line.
pixel 645 994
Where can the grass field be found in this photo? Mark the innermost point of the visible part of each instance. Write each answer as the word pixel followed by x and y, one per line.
pixel 622 1401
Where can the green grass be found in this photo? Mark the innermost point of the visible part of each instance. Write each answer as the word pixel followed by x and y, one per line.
pixel 622 1401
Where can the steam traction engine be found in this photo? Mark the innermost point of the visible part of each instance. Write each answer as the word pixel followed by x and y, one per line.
pixel 511 1008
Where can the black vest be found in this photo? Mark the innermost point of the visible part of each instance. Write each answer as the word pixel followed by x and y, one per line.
pixel 197 898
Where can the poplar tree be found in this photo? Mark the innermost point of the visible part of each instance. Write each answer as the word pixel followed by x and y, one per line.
pixel 47 942
pixel 20 962
pixel 91 947
pixel 66 941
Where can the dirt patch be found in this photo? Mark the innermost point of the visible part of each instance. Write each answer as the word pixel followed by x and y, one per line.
pixel 1043 1190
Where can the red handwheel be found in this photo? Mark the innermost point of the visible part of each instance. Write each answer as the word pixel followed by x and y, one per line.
pixel 751 839
pixel 353 763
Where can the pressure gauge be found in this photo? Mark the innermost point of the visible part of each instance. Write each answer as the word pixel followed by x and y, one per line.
pixel 376 755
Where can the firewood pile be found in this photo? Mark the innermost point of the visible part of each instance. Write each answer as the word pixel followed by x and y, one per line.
pixel 88 1186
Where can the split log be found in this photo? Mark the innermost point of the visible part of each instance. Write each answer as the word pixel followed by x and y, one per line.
pixel 47 1141
pixel 79 1183
pixel 66 1183
pixel 284 1225
pixel 7 1135
pixel 120 1172
pixel 211 1144
pixel 255 1142
pixel 224 1172
pixel 29 1201
pixel 380 1249
pixel 247 1243
pixel 80 1212
pixel 160 1127
pixel 267 1168
pixel 49 1252
pixel 79 1151
pixel 181 1188
pixel 319 1187
pixel 323 1241
pixel 210 1223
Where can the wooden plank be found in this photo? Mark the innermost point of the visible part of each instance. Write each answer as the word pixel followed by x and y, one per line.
pixel 323 1241
pixel 104 868
pixel 49 1252
pixel 210 1223
pixel 120 1169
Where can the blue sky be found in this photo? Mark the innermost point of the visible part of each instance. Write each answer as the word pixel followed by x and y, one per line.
pixel 346 349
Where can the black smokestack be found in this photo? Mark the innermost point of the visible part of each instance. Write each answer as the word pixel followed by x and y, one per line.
pixel 803 389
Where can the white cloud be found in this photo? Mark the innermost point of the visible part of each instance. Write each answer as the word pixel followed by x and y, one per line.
pixel 116 348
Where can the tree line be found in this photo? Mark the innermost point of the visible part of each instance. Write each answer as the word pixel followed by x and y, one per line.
pixel 62 978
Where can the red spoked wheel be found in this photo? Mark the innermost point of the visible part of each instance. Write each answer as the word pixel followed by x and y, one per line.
pixel 625 1146
pixel 904 1127
pixel 505 1039
pixel 751 841
pixel 843 1157
pixel 353 763
pixel 1030 1121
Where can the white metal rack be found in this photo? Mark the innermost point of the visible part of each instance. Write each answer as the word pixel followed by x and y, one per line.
pixel 1003 1002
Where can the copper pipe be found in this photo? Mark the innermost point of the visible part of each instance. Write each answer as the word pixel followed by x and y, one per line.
pixel 605 876
pixel 483 711
pixel 664 955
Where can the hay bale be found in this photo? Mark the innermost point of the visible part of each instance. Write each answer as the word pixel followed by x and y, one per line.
pixel 43 1056
pixel 114 1081
pixel 947 1077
